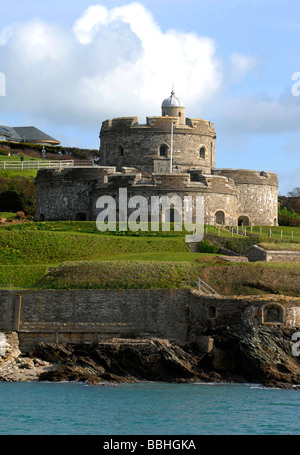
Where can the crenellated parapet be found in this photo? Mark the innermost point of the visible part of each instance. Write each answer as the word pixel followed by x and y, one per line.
pixel 247 176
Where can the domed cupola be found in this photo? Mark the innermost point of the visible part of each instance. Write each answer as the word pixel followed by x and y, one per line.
pixel 173 107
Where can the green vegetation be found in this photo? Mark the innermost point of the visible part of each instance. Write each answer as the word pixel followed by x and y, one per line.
pixel 288 218
pixel 29 246
pixel 280 246
pixel 72 151
pixel 254 278
pixel 17 193
pixel 8 215
pixel 74 254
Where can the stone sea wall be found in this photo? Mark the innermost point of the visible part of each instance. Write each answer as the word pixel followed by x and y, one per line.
pixel 181 316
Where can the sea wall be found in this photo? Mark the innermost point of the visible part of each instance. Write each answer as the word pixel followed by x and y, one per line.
pixel 181 316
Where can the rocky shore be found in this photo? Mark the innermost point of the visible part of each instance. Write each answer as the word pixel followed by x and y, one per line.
pixel 264 356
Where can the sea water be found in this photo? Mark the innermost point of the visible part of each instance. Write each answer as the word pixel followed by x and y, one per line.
pixel 35 408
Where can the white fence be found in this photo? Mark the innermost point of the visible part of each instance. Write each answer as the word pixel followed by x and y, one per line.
pixel 34 164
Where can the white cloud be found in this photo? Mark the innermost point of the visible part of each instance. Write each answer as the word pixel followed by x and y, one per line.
pixel 258 114
pixel 111 62
pixel 242 64
pixel 117 62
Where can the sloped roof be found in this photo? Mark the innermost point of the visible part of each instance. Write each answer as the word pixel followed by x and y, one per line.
pixel 33 134
pixel 9 133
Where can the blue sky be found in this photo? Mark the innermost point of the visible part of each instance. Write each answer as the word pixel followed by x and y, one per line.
pixel 70 65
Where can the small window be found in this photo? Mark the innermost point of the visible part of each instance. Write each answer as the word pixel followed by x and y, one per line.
pixel 273 313
pixel 163 150
pixel 121 150
pixel 179 114
pixel 202 152
pixel 211 312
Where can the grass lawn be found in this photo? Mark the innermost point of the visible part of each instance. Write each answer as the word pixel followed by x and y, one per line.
pixel 280 246
pixel 25 173
pixel 288 232
pixel 8 215
pixel 63 255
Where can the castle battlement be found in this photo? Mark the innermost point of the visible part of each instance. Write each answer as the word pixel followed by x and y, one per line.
pixel 248 176
pixel 168 155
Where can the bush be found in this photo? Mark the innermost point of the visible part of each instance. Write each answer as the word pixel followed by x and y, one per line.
pixel 17 195
pixel 207 247
pixel 73 152
pixel 287 218
pixel 237 244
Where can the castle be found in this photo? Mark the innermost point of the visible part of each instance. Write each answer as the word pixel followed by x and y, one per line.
pixel 168 155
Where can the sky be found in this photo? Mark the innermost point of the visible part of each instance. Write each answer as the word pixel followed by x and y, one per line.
pixel 66 66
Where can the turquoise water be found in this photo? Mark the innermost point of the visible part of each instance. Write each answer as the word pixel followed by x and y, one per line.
pixel 147 409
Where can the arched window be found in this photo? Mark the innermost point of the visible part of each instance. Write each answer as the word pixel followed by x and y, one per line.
pixel 202 152
pixel 273 313
pixel 220 217
pixel 163 150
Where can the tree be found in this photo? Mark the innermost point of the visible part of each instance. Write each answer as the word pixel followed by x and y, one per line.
pixel 295 192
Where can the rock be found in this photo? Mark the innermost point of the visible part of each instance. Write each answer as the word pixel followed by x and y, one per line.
pixel 14 367
pixel 121 360
pixel 260 354
pixel 26 363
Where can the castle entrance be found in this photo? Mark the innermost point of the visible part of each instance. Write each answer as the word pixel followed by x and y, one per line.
pixel 243 221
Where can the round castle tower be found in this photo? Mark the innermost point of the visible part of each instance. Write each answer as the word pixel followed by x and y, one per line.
pixel 189 142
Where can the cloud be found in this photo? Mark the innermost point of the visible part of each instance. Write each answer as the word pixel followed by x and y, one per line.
pixel 259 114
pixel 241 64
pixel 111 62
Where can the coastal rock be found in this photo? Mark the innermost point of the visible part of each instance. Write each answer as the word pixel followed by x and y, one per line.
pixel 263 356
pixel 124 360
pixel 259 355
pixel 16 368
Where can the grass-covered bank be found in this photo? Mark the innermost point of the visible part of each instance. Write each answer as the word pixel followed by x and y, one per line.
pixel 73 254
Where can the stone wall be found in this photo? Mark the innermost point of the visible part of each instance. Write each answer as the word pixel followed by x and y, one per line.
pixel 217 192
pixel 65 194
pixel 257 195
pixel 91 315
pixel 124 142
pixel 256 253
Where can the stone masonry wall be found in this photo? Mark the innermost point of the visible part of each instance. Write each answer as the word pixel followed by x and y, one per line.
pixel 91 315
pixel 257 195
pixel 126 143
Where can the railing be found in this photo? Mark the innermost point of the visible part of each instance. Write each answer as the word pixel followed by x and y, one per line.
pixel 204 288
pixel 34 164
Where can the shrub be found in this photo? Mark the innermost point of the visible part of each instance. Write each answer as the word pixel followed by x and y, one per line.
pixel 17 195
pixel 288 218
pixel 237 244
pixel 207 247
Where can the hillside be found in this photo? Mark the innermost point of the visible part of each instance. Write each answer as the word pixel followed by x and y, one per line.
pixel 64 255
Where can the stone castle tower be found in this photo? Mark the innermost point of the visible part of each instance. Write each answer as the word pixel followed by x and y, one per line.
pixel 125 142
pixel 169 154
